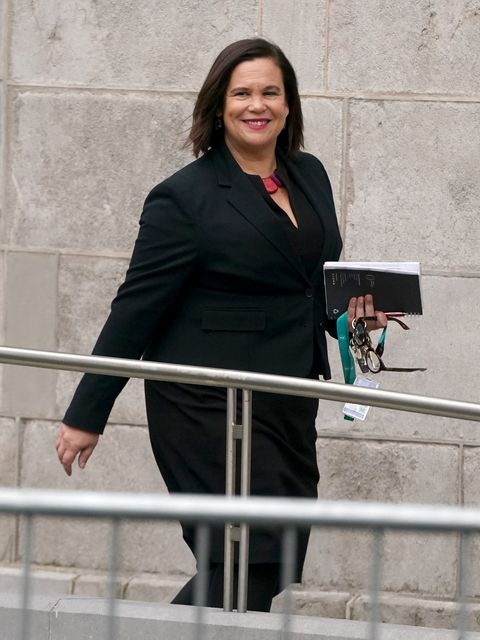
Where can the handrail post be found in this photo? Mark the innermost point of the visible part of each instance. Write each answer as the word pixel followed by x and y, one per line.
pixel 234 534
pixel 230 471
pixel 245 491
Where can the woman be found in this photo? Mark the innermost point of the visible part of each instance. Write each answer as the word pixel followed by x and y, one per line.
pixel 227 272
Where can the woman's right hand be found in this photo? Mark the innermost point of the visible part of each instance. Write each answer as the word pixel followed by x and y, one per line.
pixel 71 442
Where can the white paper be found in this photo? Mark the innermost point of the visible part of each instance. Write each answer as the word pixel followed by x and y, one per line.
pixel 359 411
pixel 397 267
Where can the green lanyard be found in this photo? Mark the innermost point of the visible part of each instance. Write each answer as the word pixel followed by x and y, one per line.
pixel 348 363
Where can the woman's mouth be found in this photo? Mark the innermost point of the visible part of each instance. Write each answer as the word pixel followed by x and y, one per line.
pixel 260 123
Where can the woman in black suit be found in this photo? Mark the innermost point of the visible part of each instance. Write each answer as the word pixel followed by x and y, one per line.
pixel 227 272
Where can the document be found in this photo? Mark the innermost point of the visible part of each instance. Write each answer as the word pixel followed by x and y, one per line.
pixel 395 286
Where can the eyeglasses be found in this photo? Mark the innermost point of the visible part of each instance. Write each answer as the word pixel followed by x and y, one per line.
pixel 368 357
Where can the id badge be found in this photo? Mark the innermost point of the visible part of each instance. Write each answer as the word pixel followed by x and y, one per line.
pixel 359 411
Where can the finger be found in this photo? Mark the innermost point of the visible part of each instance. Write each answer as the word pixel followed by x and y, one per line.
pixel 84 457
pixel 58 438
pixel 68 458
pixel 68 469
pixel 360 310
pixel 369 308
pixel 60 452
pixel 382 319
pixel 352 305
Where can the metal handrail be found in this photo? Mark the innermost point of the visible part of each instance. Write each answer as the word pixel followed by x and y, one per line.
pixel 254 510
pixel 242 379
pixel 206 510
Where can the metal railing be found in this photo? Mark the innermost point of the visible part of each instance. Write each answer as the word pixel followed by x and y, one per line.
pixel 242 380
pixel 205 511
pixel 247 382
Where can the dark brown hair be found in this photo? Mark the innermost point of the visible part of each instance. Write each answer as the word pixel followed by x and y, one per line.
pixel 210 100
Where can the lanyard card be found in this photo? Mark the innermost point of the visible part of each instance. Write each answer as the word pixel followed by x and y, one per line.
pixel 359 411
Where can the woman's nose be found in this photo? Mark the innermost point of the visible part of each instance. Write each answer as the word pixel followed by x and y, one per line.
pixel 257 103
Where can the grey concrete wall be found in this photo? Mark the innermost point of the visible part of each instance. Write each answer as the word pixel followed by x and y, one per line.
pixel 94 106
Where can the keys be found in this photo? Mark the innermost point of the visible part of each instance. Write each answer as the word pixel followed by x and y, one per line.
pixel 360 354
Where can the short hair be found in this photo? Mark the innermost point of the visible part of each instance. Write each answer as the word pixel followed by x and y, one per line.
pixel 211 97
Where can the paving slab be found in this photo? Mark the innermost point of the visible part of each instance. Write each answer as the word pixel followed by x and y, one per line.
pixel 146 621
pixel 398 609
pixel 43 582
pixel 151 588
pixel 322 604
pixel 98 586
pixel 12 618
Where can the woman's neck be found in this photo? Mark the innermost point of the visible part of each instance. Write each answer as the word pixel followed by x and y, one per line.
pixel 262 163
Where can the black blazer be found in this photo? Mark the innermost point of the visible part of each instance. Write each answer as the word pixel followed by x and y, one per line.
pixel 214 281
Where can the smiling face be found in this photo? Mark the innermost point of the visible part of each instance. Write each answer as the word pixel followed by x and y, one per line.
pixel 255 107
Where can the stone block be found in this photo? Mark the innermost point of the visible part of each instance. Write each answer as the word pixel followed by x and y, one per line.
pixel 43 582
pixel 431 343
pixel 414 562
pixel 124 44
pixel 323 137
pixel 98 586
pixel 12 617
pixel 30 311
pixel 398 609
pixel 299 29
pixel 2 276
pixel 147 588
pixel 3 17
pixel 471 497
pixel 122 461
pixel 86 618
pixel 321 604
pixel 402 202
pixel 9 438
pixel 86 287
pixel 414 46
pixel 82 165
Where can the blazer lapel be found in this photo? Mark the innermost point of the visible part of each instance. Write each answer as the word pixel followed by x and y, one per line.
pixel 249 203
pixel 322 204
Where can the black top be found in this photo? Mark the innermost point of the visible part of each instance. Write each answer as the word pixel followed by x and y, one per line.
pixel 307 240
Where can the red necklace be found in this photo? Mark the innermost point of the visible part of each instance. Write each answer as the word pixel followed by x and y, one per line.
pixel 272 183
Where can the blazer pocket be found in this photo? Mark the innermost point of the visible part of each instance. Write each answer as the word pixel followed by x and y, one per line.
pixel 234 319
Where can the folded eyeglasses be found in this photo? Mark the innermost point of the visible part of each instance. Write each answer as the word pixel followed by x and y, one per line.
pixel 368 357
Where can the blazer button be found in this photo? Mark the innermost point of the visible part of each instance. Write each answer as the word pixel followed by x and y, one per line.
pixel 309 293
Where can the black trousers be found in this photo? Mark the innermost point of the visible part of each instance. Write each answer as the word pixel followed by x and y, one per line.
pixel 263 586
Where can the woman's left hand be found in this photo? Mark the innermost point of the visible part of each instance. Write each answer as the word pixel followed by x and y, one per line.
pixel 362 307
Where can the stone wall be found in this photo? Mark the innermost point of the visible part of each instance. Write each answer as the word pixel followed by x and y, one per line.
pixel 95 99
